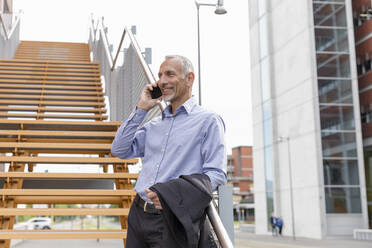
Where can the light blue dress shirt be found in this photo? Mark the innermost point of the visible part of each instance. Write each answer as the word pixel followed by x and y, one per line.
pixel 190 141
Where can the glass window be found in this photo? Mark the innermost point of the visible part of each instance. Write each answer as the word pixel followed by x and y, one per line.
pixel 270 206
pixel 369 174
pixel 343 200
pixel 335 91
pixel 266 108
pixel 337 117
pixel 269 180
pixel 337 1
pixel 264 37
pixel 341 172
pixel 329 39
pixel 330 15
pixel 333 65
pixel 265 79
pixel 261 7
pixel 269 173
pixel 338 144
pixel 267 132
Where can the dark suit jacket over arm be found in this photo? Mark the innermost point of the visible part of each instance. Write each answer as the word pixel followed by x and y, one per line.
pixel 184 201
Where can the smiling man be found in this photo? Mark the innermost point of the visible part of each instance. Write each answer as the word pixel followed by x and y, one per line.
pixel 185 140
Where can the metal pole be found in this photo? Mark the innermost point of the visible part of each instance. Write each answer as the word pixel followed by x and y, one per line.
pixel 291 188
pixel 218 227
pixel 98 221
pixel 199 76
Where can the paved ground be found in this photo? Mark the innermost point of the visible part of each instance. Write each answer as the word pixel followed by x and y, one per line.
pixel 70 243
pixel 248 240
pixel 242 240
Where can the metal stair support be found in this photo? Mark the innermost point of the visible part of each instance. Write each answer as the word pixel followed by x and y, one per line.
pixel 53 111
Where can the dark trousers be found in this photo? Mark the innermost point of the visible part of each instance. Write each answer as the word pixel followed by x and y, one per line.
pixel 146 230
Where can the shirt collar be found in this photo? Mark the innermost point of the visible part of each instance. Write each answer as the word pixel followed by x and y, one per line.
pixel 186 106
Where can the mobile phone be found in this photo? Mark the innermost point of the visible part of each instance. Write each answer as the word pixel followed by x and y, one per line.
pixel 156 92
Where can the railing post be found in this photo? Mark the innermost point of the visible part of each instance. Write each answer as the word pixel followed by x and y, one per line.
pixel 225 209
pixel 148 55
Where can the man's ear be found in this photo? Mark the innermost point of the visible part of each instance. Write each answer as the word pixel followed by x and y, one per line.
pixel 190 78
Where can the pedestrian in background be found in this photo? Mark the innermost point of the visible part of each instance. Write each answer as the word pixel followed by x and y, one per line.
pixel 279 224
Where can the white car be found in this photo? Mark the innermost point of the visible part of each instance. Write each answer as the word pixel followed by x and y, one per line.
pixel 36 223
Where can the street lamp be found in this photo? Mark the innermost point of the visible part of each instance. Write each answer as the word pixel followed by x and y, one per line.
pixel 220 10
pixel 282 139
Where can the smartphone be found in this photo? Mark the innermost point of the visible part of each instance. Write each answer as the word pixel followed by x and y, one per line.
pixel 156 92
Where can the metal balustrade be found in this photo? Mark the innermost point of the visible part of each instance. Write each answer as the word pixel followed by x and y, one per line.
pixel 123 82
pixel 9 38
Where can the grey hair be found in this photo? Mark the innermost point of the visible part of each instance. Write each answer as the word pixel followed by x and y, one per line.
pixel 185 63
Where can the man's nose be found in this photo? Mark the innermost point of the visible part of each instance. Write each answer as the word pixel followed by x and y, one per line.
pixel 162 82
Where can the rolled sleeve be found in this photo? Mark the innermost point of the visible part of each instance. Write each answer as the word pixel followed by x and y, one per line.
pixel 214 152
pixel 129 140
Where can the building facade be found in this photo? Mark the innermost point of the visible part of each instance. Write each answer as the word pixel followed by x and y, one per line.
pixel 242 177
pixel 308 150
pixel 362 14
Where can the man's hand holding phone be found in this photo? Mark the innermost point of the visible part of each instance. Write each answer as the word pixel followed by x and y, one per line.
pixel 151 96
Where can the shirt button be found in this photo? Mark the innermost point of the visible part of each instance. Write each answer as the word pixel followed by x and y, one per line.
pixel 166 134
pixel 163 150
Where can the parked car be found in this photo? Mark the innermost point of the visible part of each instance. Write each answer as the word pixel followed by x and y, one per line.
pixel 36 223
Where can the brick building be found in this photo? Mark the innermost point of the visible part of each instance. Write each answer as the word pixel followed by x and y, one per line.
pixel 240 176
pixel 362 19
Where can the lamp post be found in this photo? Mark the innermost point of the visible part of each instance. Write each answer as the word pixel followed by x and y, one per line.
pixel 282 139
pixel 220 10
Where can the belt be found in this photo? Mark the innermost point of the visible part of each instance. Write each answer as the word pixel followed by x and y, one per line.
pixel 147 207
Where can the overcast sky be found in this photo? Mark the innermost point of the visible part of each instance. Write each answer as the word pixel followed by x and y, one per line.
pixel 168 27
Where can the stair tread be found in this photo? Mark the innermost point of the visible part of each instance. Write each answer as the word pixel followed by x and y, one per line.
pixel 66 160
pixel 48 175
pixel 64 211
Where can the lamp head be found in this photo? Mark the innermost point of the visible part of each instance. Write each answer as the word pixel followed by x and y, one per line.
pixel 220 10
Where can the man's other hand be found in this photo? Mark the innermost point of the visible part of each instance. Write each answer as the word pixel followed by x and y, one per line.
pixel 154 198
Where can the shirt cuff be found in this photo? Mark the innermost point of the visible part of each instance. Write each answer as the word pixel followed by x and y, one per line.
pixel 138 115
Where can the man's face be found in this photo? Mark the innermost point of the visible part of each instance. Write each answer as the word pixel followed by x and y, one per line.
pixel 172 82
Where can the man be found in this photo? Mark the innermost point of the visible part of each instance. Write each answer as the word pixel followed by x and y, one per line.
pixel 186 139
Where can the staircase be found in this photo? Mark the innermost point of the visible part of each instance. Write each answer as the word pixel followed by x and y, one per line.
pixel 52 111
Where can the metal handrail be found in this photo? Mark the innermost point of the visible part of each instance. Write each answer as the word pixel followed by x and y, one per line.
pixel 92 29
pixel 105 43
pixel 17 19
pixel 118 51
pixel 112 62
pixel 218 226
pixel 150 77
pixel 14 26
pixel 4 28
